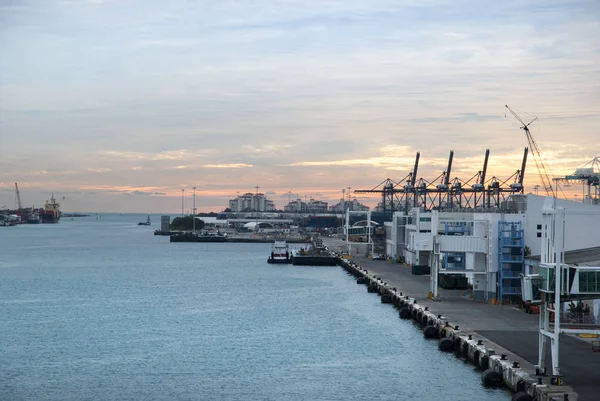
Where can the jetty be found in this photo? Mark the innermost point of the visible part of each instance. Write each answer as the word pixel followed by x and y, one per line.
pixel 500 340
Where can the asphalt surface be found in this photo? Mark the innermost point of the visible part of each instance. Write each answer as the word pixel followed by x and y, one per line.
pixel 579 365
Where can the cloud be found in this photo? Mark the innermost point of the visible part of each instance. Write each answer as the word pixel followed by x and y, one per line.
pixel 142 156
pixel 99 170
pixel 232 165
pixel 299 96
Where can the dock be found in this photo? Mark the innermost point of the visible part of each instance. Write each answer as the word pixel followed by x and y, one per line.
pixel 501 340
pixel 178 236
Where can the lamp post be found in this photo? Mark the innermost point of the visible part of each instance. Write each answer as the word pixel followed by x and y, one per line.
pixel 182 193
pixel 194 210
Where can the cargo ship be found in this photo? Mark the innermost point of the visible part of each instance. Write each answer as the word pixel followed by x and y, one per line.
pixel 51 211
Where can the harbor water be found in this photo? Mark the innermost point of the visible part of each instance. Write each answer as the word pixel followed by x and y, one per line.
pixel 98 308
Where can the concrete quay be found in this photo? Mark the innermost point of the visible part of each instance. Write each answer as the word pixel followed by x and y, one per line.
pixel 501 340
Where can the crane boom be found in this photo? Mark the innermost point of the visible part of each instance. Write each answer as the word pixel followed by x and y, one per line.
pixel 18 196
pixel 537 157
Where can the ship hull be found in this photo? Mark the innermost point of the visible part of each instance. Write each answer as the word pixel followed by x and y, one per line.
pixel 49 218
pixel 280 261
pixel 189 237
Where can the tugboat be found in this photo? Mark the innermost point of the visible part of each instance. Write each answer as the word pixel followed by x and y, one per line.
pixel 34 217
pixel 280 253
pixel 145 223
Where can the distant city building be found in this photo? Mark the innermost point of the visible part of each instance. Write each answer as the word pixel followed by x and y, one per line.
pixel 250 202
pixel 295 206
pixel 313 206
pixel 317 206
pixel 353 205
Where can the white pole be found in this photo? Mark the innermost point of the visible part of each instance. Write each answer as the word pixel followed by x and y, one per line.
pixel 435 249
pixel 347 227
pixel 369 231
pixel 558 249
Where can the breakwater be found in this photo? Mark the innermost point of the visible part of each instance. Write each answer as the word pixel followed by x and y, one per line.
pixel 499 367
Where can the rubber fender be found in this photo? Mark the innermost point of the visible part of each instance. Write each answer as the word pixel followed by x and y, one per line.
pixel 424 321
pixel 491 378
pixel 430 332
pixel 485 362
pixel 443 333
pixel 464 349
pixel 446 344
pixel 456 344
pixel 430 322
pixel 386 299
pixel 414 313
pixel 521 386
pixel 372 288
pixel 476 358
pixel 521 396
pixel 404 313
pixel 362 280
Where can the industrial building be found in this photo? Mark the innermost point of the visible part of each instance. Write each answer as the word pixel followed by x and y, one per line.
pixel 494 248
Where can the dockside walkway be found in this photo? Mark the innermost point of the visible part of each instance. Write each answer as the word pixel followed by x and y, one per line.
pixel 507 326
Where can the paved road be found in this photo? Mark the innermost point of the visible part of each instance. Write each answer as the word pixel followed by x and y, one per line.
pixel 507 326
pixel 580 366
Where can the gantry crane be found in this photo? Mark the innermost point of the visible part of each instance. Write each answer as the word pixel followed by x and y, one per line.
pixel 587 175
pixel 537 157
pixel 394 195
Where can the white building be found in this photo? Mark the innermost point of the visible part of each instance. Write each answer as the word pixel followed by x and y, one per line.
pixel 489 248
pixel 313 206
pixel 353 206
pixel 250 202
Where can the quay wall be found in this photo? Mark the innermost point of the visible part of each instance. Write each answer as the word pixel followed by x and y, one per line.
pixel 499 367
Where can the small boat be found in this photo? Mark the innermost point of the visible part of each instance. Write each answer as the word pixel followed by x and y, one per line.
pixel 146 223
pixel 7 220
pixel 280 253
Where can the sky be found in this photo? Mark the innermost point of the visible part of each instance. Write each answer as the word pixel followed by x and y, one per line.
pixel 118 105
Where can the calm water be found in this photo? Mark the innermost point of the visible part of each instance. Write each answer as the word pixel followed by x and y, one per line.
pixel 103 310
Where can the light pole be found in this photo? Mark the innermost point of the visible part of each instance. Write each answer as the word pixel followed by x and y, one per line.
pixel 182 193
pixel 194 210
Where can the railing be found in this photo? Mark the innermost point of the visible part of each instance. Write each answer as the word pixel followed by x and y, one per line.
pixel 578 318
pixel 512 258
pixel 511 290
pixel 508 241
pixel 511 274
